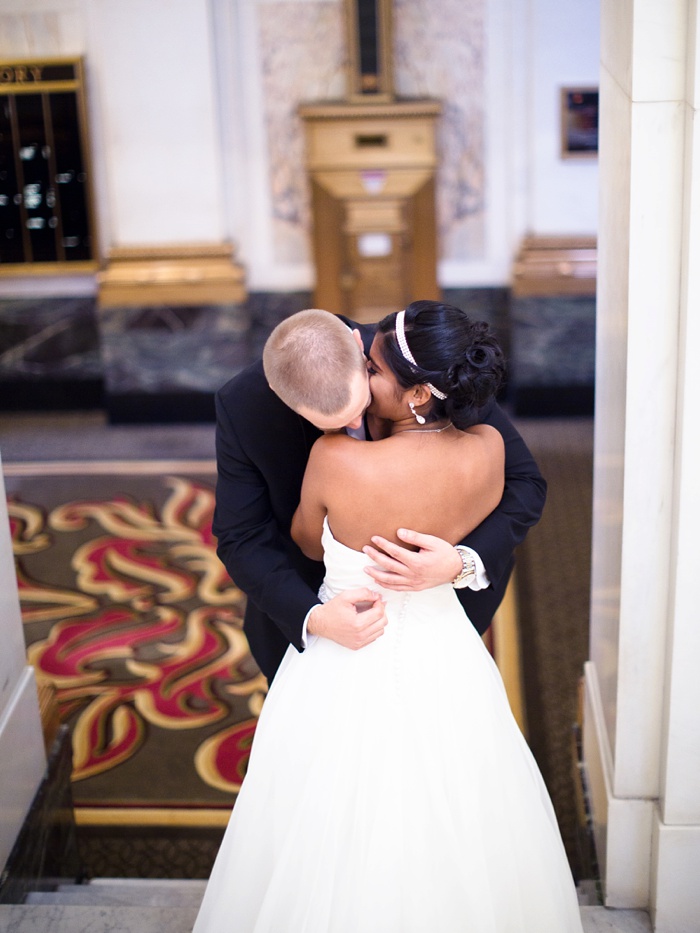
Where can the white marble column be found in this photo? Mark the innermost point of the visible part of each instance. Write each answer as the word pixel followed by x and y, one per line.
pixel 642 727
pixel 22 758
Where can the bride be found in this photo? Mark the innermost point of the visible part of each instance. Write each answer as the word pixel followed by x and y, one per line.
pixel 389 789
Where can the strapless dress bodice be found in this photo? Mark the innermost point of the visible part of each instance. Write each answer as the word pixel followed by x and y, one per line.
pixel 345 570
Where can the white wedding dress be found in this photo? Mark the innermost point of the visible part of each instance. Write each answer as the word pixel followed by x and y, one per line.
pixel 390 790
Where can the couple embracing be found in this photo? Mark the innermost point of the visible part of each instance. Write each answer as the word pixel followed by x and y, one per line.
pixel 389 788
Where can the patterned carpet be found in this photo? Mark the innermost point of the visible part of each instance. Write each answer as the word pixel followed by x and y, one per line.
pixel 554 567
pixel 553 593
pixel 131 616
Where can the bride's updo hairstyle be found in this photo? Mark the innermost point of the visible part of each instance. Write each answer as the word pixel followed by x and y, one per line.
pixel 459 357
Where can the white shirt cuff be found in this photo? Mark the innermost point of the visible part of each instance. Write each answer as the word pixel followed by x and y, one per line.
pixel 307 639
pixel 481 580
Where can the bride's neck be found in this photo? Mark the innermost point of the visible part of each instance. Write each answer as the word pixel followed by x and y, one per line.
pixel 412 427
pixel 380 428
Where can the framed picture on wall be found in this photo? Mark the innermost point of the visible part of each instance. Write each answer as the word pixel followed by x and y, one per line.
pixel 579 122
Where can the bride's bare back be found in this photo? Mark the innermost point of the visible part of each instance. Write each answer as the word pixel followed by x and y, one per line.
pixel 440 483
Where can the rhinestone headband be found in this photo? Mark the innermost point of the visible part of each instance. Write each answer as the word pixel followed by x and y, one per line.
pixel 406 353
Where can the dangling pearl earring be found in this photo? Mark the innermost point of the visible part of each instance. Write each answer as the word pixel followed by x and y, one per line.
pixel 419 418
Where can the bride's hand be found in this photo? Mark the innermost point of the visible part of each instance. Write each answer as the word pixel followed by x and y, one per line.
pixel 400 569
pixel 353 619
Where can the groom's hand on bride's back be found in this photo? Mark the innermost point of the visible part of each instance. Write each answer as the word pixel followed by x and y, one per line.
pixel 354 618
pixel 399 568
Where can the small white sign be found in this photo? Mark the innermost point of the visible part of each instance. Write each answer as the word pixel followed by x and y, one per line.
pixel 373 180
pixel 374 244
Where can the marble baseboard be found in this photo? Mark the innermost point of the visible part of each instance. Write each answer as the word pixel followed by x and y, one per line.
pixel 164 364
pixel 78 394
pixel 170 349
pixel 159 407
pixel 267 310
pixel 139 364
pixel 49 339
pixel 552 340
pixel 482 304
pixel 554 401
pixel 552 355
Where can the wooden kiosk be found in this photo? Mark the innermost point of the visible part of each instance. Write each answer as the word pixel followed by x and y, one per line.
pixel 371 161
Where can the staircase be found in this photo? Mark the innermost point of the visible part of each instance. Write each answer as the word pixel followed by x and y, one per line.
pixel 125 905
pixel 108 905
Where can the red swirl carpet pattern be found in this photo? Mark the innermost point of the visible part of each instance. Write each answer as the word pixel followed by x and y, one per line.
pixel 130 615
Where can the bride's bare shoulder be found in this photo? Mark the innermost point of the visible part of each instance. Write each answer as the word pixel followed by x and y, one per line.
pixel 330 444
pixel 336 448
pixel 485 431
pixel 486 436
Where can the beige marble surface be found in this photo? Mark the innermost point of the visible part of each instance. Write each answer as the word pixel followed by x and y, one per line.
pixel 302 59
pixel 439 53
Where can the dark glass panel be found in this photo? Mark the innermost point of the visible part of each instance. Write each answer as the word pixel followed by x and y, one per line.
pixel 11 249
pixel 34 155
pixel 70 182
pixel 367 28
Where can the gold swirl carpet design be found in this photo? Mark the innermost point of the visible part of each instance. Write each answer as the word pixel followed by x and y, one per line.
pixel 131 617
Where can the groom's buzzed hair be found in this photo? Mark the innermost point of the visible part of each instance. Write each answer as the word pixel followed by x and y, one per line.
pixel 309 360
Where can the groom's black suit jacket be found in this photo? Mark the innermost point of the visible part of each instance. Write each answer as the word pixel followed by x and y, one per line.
pixel 262 447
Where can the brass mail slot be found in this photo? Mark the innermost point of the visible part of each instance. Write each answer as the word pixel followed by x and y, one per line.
pixel 366 141
pixel 372 144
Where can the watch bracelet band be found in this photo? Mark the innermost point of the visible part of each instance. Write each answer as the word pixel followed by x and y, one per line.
pixel 468 568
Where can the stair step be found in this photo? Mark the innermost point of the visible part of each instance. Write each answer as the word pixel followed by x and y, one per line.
pixel 38 918
pixel 587 892
pixel 127 892
pixel 607 920
pixel 62 918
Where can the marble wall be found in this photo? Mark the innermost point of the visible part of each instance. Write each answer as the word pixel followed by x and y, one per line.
pixel 642 723
pixel 439 52
pixel 195 135
pixel 302 57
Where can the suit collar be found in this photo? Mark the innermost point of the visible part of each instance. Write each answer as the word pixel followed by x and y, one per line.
pixel 367 331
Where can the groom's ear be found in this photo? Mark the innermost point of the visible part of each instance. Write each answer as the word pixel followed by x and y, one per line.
pixel 358 339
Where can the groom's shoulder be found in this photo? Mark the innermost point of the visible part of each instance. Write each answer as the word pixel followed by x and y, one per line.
pixel 248 396
pixel 493 414
pixel 250 379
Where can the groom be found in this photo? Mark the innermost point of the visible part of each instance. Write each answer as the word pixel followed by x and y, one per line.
pixel 316 363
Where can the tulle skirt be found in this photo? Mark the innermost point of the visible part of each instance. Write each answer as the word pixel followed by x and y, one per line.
pixel 390 791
